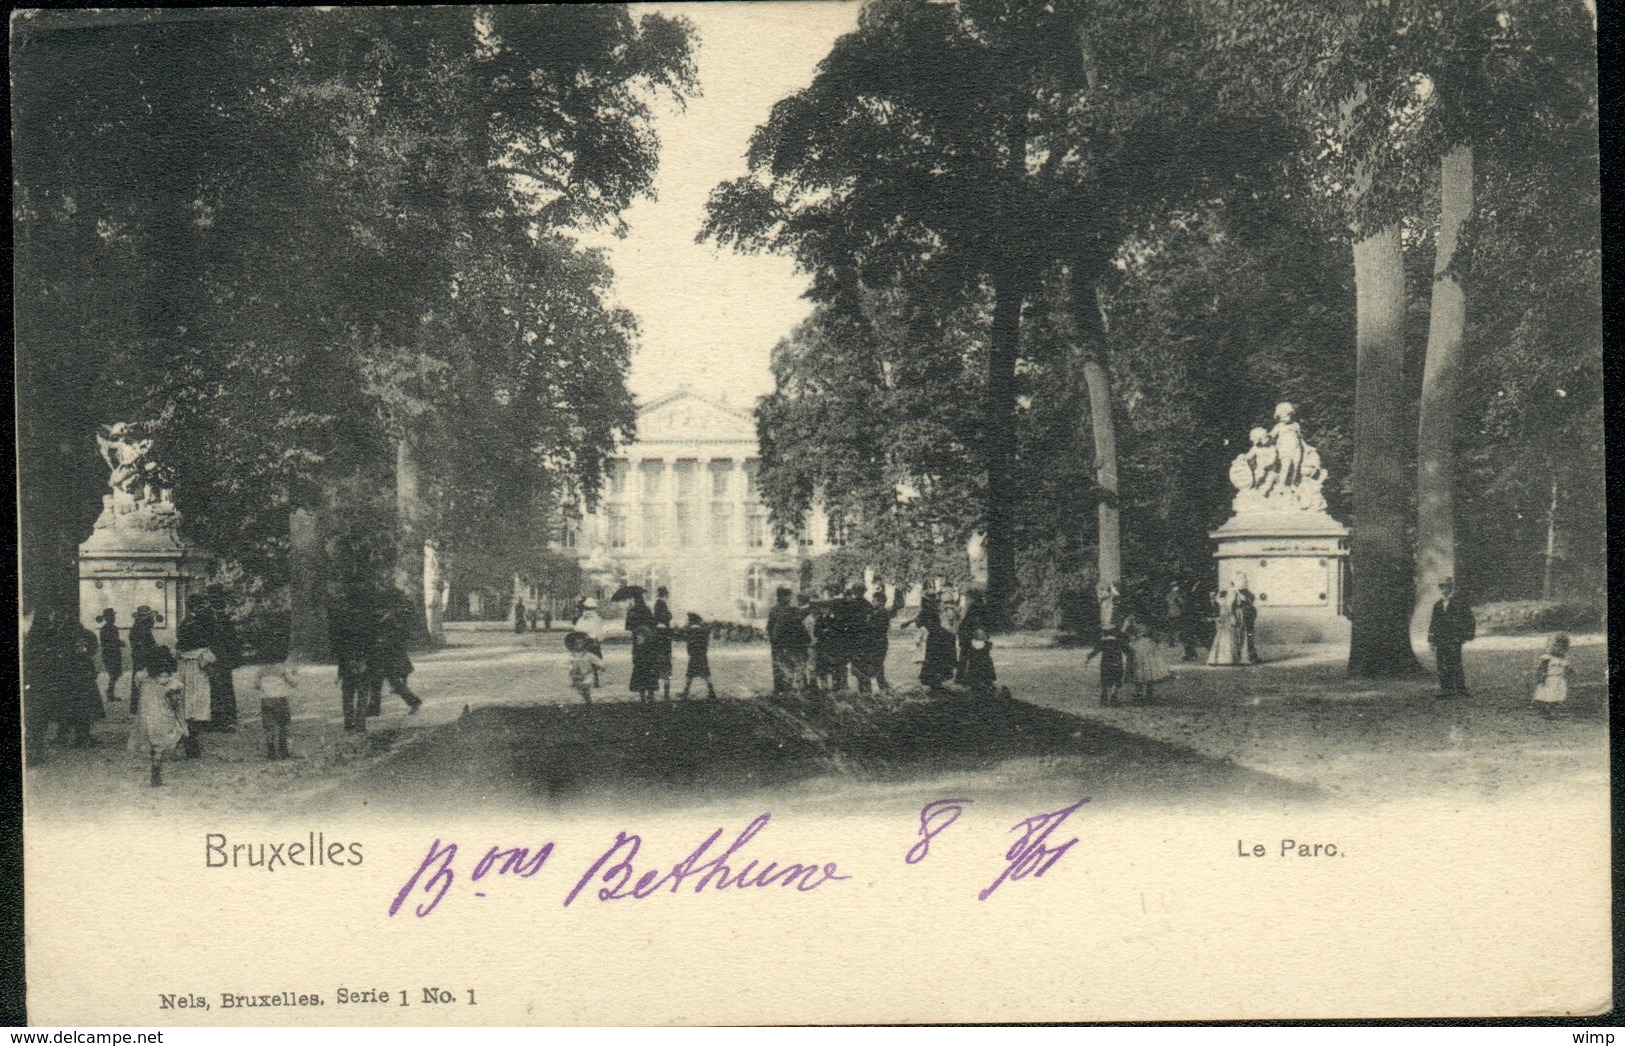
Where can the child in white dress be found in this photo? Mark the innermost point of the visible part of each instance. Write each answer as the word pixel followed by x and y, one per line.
pixel 1552 675
pixel 584 664
pixel 160 724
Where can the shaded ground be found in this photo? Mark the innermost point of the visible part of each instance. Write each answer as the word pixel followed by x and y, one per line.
pixel 701 751
pixel 501 726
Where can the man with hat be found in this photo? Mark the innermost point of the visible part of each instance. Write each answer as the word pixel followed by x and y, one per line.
pixel 787 640
pixel 1450 626
pixel 349 636
pixel 851 621
pixel 876 641
pixel 828 667
pixel 390 636
pixel 142 645
pixel 112 650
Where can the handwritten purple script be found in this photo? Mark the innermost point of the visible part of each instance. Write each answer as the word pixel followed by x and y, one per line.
pixel 615 869
pixel 615 874
pixel 1031 854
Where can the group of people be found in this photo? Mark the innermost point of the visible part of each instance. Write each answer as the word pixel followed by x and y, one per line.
pixel 832 644
pixel 529 619
pixel 369 631
pixel 1129 653
pixel 59 682
pixel 653 634
pixel 843 640
pixel 829 643
pixel 1235 623
pixel 1130 642
pixel 175 694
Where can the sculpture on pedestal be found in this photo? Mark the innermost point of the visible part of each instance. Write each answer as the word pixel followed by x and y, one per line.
pixel 1281 537
pixel 1280 472
pixel 135 558
pixel 140 494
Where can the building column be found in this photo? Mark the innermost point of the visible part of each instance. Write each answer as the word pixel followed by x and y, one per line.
pixel 633 506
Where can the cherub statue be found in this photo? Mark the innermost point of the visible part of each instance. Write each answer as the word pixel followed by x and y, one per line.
pixel 1263 461
pixel 1287 436
pixel 126 456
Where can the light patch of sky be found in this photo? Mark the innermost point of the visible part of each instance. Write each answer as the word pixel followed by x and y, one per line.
pixel 709 316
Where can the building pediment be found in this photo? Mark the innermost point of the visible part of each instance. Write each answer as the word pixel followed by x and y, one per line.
pixel 686 417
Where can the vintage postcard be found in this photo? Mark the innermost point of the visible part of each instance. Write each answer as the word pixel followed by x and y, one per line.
pixel 811 513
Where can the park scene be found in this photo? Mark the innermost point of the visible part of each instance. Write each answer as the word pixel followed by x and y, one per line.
pixel 675 405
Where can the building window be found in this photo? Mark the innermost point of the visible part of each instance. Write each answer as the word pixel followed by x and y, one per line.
pixel 654 534
pixel 803 538
pixel 654 474
pixel 756 530
pixel 753 469
pixel 572 533
pixel 835 532
pixel 721 478
pixel 617 528
pixel 618 471
pixel 685 525
pixel 688 480
pixel 755 590
pixel 722 519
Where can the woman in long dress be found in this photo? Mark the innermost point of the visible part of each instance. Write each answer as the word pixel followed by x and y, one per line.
pixel 640 621
pixel 1227 633
pixel 941 648
pixel 194 657
pixel 228 652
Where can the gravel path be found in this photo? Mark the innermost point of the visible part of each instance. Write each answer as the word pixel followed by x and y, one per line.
pixel 501 726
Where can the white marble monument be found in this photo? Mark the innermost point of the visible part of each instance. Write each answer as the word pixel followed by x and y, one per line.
pixel 135 557
pixel 1280 542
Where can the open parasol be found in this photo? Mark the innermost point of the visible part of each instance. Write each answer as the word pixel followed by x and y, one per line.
pixel 626 592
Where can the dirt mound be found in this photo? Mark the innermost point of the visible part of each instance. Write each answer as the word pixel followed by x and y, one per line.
pixel 678 753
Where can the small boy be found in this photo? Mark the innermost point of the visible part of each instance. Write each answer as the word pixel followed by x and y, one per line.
pixel 276 684
pixel 1110 649
pixel 697 638
pixel 584 664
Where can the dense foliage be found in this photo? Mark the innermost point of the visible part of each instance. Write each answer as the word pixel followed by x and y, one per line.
pixel 987 195
pixel 285 241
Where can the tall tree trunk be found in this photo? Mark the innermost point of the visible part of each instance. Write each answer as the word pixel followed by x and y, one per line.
pixel 1110 554
pixel 1546 588
pixel 308 572
pixel 1380 558
pixel 1104 428
pixel 1436 430
pixel 409 524
pixel 1000 421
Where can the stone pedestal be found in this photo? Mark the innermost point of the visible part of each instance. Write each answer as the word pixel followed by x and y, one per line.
pixel 137 559
pixel 1280 542
pixel 1295 564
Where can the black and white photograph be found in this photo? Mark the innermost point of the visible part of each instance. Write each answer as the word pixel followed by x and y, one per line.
pixel 884 512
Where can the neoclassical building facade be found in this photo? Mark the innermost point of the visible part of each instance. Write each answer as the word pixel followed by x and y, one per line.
pixel 680 508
